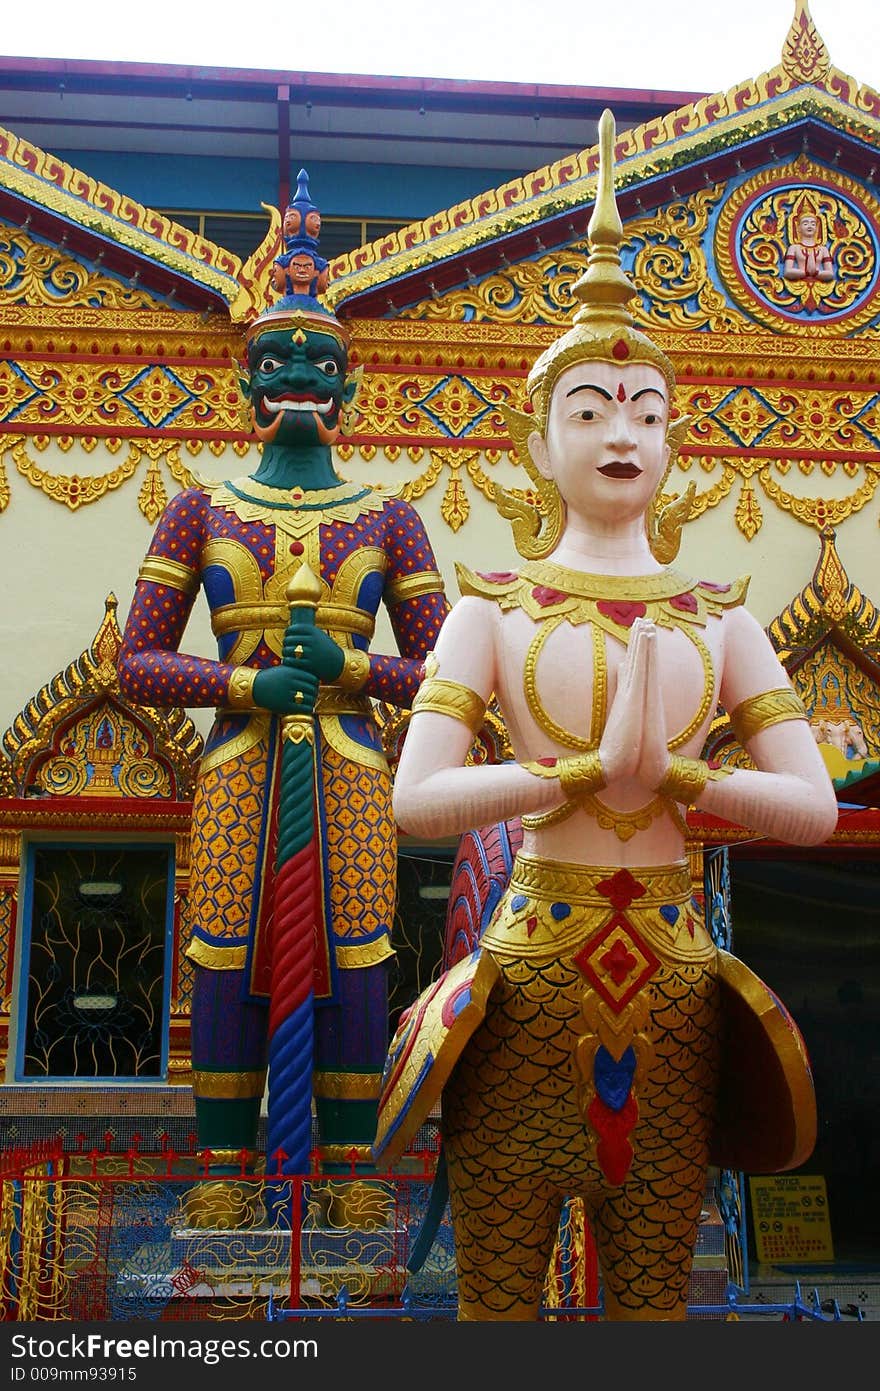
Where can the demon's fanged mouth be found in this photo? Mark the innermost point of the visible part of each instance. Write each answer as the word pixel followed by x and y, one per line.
pixel 306 404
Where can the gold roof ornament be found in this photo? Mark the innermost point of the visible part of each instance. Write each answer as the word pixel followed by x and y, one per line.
pixel 603 331
pixel 828 639
pixel 804 55
pixel 78 736
pixel 829 601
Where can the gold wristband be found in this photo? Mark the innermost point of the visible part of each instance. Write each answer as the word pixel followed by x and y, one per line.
pixel 240 691
pixel 761 711
pixel 355 670
pixel 685 779
pixel 581 775
pixel 451 698
pixel 578 776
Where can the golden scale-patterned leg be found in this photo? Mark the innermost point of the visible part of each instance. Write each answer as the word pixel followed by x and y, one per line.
pixel 517 1144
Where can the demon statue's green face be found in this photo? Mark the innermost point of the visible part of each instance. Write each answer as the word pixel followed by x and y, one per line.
pixel 298 385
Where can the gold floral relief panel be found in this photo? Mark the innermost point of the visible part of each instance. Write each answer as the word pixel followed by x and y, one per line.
pixel 795 246
pixel 104 754
pixel 435 406
pixel 662 252
pixel 817 422
pixel 36 273
pixel 845 709
pixel 120 395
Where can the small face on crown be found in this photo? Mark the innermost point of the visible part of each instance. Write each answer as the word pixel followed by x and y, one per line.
pixel 297 385
pixel 605 443
pixel 294 225
pixel 291 224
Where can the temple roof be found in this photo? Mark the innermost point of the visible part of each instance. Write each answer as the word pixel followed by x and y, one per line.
pixel 51 199
pixel 78 735
pixel 803 104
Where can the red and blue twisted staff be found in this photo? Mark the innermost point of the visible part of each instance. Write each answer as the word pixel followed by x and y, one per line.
pixel 291 1010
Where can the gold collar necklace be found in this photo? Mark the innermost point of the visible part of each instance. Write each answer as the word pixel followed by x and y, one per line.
pixel 664 584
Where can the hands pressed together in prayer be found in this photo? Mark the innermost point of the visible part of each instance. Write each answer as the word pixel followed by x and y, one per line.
pixel 633 743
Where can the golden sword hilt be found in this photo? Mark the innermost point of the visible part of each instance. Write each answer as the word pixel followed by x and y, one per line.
pixel 303 594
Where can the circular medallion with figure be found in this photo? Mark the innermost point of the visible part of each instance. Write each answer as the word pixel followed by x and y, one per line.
pixel 801 245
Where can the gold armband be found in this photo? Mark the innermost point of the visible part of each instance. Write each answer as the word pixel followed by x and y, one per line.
pixel 412 587
pixel 761 711
pixel 451 698
pixel 159 570
pixel 355 670
pixel 240 692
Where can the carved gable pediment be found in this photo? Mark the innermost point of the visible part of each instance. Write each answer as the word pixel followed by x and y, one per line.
pixel 828 640
pixel 78 736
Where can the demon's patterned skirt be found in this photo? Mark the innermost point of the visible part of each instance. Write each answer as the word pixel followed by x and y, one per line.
pixel 594 1073
pixel 234 833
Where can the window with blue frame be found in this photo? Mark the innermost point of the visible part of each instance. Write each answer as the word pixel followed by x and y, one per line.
pixel 97 923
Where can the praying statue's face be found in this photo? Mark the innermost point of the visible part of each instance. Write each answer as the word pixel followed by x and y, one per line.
pixel 605 445
pixel 808 228
pixel 297 386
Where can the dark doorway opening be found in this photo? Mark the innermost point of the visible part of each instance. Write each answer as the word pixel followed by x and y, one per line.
pixel 811 929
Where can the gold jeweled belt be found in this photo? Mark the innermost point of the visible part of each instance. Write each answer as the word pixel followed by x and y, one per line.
pixel 552 907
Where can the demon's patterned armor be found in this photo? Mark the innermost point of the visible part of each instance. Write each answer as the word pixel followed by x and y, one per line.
pixel 241 542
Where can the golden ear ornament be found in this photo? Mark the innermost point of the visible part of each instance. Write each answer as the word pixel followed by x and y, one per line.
pixel 664 525
pixel 349 414
pixel 536 530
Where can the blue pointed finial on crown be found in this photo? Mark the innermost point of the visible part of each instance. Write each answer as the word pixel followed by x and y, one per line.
pixel 300 273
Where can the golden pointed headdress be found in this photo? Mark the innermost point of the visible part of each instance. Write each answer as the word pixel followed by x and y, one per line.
pixel 603 331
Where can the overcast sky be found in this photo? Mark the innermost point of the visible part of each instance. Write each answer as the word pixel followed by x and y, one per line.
pixel 682 45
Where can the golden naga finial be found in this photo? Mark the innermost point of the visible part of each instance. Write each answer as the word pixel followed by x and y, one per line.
pixel 804 55
pixel 603 331
pixel 255 276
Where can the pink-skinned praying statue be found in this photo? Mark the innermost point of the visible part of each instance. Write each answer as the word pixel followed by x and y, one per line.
pixel 580 1050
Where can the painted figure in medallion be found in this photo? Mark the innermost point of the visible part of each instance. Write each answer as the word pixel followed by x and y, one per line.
pixel 578 1050
pixel 242 542
pixel 808 256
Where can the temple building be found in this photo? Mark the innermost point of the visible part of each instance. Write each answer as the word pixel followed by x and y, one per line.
pixel 128 270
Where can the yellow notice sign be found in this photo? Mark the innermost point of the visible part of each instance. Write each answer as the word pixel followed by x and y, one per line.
pixel 791 1219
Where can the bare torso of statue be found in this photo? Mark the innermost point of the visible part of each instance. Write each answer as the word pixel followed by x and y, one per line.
pixel 607 677
pixel 587 1029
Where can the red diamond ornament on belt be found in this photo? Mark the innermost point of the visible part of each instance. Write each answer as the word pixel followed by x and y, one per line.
pixel 616 962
